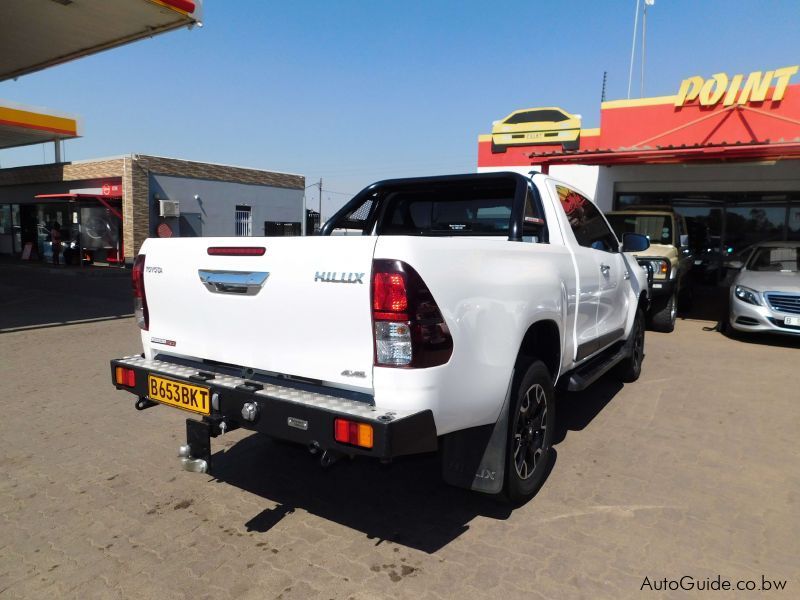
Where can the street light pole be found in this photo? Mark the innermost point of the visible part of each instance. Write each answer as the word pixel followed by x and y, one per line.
pixel 633 47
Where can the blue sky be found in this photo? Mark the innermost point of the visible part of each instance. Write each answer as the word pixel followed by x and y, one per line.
pixel 358 91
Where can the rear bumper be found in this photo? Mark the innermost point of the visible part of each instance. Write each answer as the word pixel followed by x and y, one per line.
pixel 295 412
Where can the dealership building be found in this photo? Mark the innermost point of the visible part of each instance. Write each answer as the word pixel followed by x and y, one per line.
pixel 724 151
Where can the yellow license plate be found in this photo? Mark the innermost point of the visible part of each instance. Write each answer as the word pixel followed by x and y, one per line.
pixel 182 395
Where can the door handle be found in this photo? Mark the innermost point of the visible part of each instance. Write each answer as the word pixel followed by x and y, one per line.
pixel 247 283
pixel 604 268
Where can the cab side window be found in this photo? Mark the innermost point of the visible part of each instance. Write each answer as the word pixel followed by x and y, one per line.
pixel 588 225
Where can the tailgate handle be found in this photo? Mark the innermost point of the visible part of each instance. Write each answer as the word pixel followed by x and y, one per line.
pixel 245 283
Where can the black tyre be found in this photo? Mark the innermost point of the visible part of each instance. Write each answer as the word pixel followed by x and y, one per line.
pixel 531 424
pixel 630 368
pixel 663 313
pixel 498 149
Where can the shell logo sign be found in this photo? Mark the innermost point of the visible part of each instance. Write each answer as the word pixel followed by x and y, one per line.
pixel 709 92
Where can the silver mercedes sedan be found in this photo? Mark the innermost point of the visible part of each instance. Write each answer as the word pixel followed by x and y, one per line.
pixel 765 295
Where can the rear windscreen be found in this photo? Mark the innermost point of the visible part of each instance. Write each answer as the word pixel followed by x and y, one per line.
pixel 455 210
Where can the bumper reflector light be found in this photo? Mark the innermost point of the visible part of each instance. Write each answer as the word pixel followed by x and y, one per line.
pixel 352 433
pixel 126 377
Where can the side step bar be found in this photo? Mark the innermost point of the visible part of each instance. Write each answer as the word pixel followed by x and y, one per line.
pixel 591 371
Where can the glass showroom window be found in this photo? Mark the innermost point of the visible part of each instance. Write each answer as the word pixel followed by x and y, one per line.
pixel 244 221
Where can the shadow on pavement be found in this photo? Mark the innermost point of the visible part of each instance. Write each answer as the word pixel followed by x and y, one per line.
pixel 32 297
pixel 405 503
pixel 577 409
pixel 763 339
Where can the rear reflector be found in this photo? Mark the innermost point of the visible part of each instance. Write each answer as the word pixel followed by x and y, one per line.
pixel 236 251
pixel 352 433
pixel 126 377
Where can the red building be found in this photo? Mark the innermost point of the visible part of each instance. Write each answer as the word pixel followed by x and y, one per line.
pixel 724 151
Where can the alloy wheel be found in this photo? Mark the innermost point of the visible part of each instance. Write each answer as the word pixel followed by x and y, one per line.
pixel 529 431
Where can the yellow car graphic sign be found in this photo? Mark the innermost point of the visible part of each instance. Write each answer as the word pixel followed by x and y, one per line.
pixel 530 126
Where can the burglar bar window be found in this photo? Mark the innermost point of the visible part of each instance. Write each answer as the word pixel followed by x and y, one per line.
pixel 244 221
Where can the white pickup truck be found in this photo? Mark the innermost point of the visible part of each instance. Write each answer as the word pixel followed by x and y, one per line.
pixel 446 323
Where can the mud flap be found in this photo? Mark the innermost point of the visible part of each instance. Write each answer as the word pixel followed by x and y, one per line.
pixel 475 458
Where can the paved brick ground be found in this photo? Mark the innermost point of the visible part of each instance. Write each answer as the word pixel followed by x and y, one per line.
pixel 691 471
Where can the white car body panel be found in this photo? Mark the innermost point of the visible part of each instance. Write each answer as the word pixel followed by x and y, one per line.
pixel 488 289
pixel 293 326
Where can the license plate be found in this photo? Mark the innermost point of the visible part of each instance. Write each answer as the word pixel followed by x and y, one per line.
pixel 535 136
pixel 175 393
pixel 698 262
pixel 792 321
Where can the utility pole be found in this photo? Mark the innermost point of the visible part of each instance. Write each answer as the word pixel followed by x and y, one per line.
pixel 603 93
pixel 320 202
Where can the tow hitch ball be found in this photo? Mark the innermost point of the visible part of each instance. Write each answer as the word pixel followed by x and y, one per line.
pixel 195 455
pixel 193 465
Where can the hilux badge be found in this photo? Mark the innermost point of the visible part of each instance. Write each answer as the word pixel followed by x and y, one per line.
pixel 338 277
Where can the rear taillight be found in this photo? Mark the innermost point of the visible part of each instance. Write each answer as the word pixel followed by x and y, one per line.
pixel 408 327
pixel 126 377
pixel 139 296
pixel 352 433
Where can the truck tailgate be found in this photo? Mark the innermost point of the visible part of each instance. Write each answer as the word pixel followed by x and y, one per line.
pixel 301 309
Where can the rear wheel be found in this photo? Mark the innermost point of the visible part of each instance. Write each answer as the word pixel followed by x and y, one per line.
pixel 663 313
pixel 631 367
pixel 531 425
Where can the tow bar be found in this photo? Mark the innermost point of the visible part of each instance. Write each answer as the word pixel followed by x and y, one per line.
pixel 195 455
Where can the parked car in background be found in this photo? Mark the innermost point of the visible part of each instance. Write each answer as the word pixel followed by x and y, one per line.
pixel 765 295
pixel 669 257
pixel 531 126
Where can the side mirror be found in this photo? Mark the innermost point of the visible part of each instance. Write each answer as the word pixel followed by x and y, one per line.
pixel 634 242
pixel 734 264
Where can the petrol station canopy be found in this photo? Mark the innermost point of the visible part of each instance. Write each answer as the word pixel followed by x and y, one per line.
pixel 36 34
pixel 21 126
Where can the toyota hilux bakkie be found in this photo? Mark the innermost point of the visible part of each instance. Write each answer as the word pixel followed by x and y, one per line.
pixel 446 324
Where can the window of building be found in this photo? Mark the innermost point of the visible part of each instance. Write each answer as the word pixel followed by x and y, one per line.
pixel 281 229
pixel 244 221
pixel 588 224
